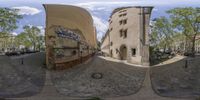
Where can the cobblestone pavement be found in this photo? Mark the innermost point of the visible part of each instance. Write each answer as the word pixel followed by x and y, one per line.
pixel 49 91
pixel 21 80
pixel 118 79
pixel 178 79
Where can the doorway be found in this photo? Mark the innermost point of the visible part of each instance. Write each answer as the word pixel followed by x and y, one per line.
pixel 123 52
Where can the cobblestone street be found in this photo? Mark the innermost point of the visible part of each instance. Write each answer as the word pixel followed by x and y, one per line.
pixel 177 79
pixel 118 79
pixel 21 80
pixel 114 79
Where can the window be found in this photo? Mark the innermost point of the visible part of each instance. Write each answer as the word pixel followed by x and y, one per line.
pixel 124 21
pixel 110 21
pixel 116 51
pixel 120 22
pixel 111 29
pixel 121 32
pixel 74 52
pixel 122 11
pixel 122 15
pixel 111 52
pixel 133 51
pixel 125 33
pixel 111 43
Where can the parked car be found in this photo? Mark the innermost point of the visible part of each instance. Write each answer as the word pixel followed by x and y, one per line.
pixel 12 53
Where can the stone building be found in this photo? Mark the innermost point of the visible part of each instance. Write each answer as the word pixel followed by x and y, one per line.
pixel 183 44
pixel 127 36
pixel 7 43
pixel 69 35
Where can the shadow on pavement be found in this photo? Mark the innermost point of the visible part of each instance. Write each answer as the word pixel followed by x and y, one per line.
pixel 21 80
pixel 99 78
pixel 178 79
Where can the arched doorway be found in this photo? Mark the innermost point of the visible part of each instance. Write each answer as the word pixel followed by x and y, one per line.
pixel 123 52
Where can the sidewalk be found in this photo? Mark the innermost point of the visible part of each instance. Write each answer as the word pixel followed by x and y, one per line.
pixel 122 61
pixel 172 60
pixel 146 93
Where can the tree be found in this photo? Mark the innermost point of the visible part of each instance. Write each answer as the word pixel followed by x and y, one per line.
pixel 31 35
pixel 8 23
pixel 8 20
pixel 187 21
pixel 162 33
pixel 22 39
pixel 40 42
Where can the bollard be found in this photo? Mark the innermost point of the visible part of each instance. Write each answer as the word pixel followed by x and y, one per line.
pixel 186 64
pixel 22 61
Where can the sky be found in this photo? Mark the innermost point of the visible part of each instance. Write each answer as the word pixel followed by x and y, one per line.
pixel 34 14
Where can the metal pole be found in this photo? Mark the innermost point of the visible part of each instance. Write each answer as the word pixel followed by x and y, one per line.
pixel 22 61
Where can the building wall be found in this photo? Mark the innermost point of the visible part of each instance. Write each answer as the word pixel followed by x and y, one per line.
pixel 105 47
pixel 137 35
pixel 184 45
pixel 69 36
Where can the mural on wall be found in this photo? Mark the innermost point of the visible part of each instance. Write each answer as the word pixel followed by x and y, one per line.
pixel 66 33
pixel 59 39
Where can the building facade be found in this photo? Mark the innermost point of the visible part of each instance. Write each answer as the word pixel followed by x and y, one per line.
pixel 7 43
pixel 127 36
pixel 184 44
pixel 70 36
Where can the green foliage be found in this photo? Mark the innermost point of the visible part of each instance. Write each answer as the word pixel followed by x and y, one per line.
pixel 183 24
pixel 8 23
pixel 162 33
pixel 8 20
pixel 187 21
pixel 31 37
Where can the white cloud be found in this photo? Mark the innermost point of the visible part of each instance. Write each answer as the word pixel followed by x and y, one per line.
pixel 14 33
pixel 98 5
pixel 92 5
pixel 26 10
pixel 42 30
pixel 101 26
pixel 154 10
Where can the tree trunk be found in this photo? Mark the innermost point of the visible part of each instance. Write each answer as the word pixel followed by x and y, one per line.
pixel 165 48
pixel 193 46
pixel 34 46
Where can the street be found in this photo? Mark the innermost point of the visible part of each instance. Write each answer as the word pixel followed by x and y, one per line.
pixel 21 80
pixel 118 79
pixel 102 77
pixel 177 79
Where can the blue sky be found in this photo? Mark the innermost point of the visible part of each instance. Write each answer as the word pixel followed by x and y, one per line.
pixel 34 14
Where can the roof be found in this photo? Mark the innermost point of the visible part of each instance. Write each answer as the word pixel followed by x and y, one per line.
pixel 121 8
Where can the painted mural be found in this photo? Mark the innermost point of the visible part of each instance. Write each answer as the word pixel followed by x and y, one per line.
pixel 64 44
pixel 66 33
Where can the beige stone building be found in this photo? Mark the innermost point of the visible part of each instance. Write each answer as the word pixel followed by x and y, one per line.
pixel 127 36
pixel 70 35
pixel 7 43
pixel 184 44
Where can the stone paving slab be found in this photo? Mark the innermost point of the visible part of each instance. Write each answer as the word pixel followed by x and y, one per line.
pixel 49 91
pixel 17 80
pixel 118 79
pixel 177 79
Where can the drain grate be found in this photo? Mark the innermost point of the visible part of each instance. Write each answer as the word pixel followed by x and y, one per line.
pixel 97 75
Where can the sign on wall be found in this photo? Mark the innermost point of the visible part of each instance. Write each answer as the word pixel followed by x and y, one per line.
pixel 66 33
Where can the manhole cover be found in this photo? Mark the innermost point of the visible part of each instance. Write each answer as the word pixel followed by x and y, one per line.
pixel 97 75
